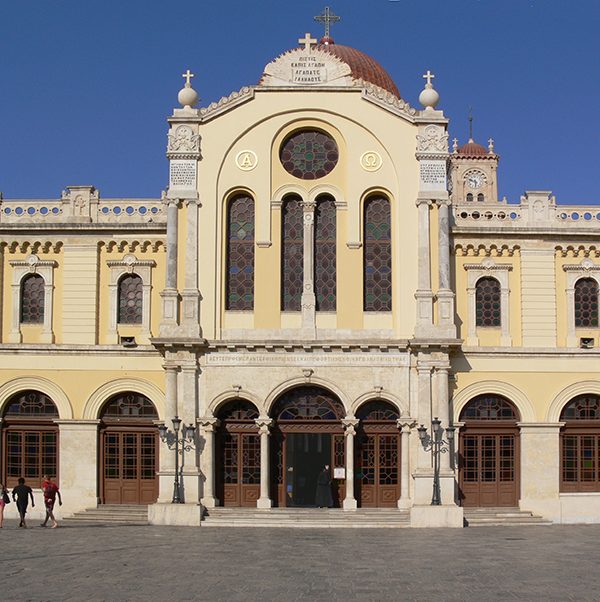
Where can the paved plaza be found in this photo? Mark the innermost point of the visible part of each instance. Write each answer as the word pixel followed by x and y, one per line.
pixel 177 563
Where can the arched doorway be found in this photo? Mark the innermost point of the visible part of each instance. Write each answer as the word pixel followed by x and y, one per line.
pixel 580 445
pixel 378 456
pixel 489 455
pixel 238 453
pixel 307 434
pixel 29 439
pixel 128 450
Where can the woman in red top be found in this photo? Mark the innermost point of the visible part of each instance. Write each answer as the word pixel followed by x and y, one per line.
pixel 50 491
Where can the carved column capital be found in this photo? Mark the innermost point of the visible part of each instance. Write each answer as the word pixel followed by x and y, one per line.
pixel 350 425
pixel 209 424
pixel 421 202
pixel 264 425
pixel 405 425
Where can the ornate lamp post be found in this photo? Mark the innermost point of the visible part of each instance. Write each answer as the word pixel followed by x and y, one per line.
pixel 173 441
pixel 436 444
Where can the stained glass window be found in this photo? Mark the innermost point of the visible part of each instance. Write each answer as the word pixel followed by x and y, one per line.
pixel 130 299
pixel 292 268
pixel 582 407
pixel 309 154
pixel 377 411
pixel 325 254
pixel 237 411
pixel 586 303
pixel 489 407
pixel 31 404
pixel 32 299
pixel 240 254
pixel 487 302
pixel 377 255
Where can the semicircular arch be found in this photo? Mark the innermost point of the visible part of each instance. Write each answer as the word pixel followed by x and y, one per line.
pixel 567 394
pixel 226 396
pixel 514 395
pixel 397 402
pixel 103 393
pixel 43 385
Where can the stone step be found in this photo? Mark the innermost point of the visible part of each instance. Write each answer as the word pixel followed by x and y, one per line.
pixel 112 514
pixel 486 517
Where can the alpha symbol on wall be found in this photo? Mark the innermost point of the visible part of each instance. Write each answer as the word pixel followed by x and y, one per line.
pixel 246 160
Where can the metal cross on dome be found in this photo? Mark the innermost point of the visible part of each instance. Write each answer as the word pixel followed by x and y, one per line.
pixel 327 17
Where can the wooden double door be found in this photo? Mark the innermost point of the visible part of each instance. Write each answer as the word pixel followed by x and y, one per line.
pixel 129 465
pixel 238 476
pixel 378 469
pixel 489 466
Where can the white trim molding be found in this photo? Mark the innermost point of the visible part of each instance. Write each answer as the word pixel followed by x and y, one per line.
pixel 500 271
pixel 21 268
pixel 130 264
pixel 574 272
pixel 589 387
pixel 37 383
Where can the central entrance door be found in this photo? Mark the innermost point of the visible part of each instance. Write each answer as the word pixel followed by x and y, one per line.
pixel 307 434
pixel 489 453
pixel 129 450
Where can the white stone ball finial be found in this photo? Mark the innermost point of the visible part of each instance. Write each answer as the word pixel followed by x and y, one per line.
pixel 187 96
pixel 429 96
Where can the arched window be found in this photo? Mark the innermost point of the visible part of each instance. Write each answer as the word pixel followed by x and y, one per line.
pixel 580 444
pixel 240 254
pixel 470 197
pixel 487 302
pixel 308 404
pixel 130 294
pixel 480 198
pixel 586 303
pixel 489 407
pixel 377 263
pixel 129 406
pixel 32 300
pixel 325 254
pixel 30 439
pixel 292 264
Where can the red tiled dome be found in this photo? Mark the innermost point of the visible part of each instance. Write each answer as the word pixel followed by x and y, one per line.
pixel 362 65
pixel 472 149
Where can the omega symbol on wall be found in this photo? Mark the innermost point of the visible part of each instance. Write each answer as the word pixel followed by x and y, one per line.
pixel 371 161
pixel 246 160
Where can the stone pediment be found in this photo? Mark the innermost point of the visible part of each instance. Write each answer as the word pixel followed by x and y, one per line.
pixel 307 68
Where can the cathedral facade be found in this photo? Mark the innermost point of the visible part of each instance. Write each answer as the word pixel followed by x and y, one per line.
pixel 323 275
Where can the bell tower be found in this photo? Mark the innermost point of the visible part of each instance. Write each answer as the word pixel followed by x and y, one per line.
pixel 474 171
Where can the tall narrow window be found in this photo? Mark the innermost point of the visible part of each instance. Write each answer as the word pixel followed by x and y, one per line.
pixel 487 302
pixel 240 254
pixel 586 303
pixel 130 299
pixel 292 268
pixel 325 254
pixel 377 264
pixel 32 300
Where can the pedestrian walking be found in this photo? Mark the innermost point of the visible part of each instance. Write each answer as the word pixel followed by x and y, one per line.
pixel 21 494
pixel 50 491
pixel 324 498
pixel 4 499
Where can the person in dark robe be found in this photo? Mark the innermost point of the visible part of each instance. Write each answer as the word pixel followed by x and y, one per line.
pixel 324 499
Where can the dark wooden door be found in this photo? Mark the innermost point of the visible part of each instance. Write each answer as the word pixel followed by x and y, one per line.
pixel 489 467
pixel 129 466
pixel 239 481
pixel 378 468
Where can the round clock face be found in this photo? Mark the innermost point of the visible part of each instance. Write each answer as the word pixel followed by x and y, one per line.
pixel 475 179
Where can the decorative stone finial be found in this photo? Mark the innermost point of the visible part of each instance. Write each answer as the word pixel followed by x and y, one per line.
pixel 491 145
pixel 187 96
pixel 429 97
pixel 455 145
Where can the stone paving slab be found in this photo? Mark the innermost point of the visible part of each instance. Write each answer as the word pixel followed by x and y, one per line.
pixel 95 563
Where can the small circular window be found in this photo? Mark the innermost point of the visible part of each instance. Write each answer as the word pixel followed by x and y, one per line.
pixel 309 154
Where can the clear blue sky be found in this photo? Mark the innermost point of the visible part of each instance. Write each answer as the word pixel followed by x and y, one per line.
pixel 86 85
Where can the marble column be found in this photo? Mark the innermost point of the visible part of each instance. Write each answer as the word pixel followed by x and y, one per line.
pixel 166 459
pixel 350 425
pixel 190 296
pixel 445 296
pixel 424 296
pixel 188 414
pixel 169 294
pixel 443 408
pixel 208 425
pixel 308 300
pixel 264 424
pixel 404 501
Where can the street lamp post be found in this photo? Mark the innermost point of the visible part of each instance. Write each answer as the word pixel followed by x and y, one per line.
pixel 173 441
pixel 436 444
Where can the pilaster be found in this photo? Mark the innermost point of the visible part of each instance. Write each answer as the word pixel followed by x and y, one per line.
pixel 208 425
pixel 308 300
pixel 190 296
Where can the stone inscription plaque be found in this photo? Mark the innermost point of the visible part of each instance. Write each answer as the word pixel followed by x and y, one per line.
pixel 433 175
pixel 309 70
pixel 333 359
pixel 182 174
